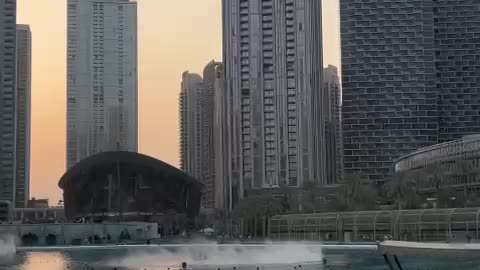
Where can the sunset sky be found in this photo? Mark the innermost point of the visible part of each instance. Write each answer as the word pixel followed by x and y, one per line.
pixel 174 36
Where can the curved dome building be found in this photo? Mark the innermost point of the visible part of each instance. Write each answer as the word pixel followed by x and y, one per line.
pixel 457 162
pixel 129 185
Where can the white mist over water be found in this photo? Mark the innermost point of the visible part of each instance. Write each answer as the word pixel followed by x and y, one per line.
pixel 7 249
pixel 221 255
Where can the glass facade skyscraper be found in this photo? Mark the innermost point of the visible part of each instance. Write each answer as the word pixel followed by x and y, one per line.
pixel 333 124
pixel 102 80
pixel 23 109
pixel 190 124
pixel 457 61
pixel 7 99
pixel 410 78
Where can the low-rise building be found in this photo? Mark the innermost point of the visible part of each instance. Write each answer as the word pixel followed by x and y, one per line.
pixel 38 215
pixel 80 233
pixel 37 203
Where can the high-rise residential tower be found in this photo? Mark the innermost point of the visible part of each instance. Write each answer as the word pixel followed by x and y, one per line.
pixel 333 128
pixel 207 120
pixel 197 153
pixel 190 135
pixel 23 109
pixel 273 74
pixel 7 99
pixel 196 130
pixel 221 142
pixel 409 78
pixel 102 94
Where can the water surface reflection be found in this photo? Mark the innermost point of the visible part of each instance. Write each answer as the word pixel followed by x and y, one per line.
pixel 42 261
pixel 213 257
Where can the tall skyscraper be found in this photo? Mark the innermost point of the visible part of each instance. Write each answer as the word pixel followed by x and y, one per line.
pixel 457 60
pixel 208 151
pixel 102 94
pixel 196 130
pixel 189 124
pixel 273 71
pixel 23 109
pixel 7 99
pixel 333 128
pixel 388 83
pixel 221 142
pixel 409 78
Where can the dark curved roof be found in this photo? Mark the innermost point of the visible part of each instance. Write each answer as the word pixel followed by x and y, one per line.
pixel 132 158
pixel 141 184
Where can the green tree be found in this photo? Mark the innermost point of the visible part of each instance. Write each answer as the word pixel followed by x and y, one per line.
pixel 473 200
pixel 201 221
pixel 355 194
pixel 434 174
pixel 253 210
pixel 284 204
pixel 403 190
pixel 168 221
pixel 181 221
pixel 441 176
pixel 288 200
pixel 444 197
pixel 310 200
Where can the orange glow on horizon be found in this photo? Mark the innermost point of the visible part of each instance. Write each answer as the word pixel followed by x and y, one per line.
pixel 174 36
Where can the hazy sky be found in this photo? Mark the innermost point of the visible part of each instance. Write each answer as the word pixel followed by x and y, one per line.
pixel 174 36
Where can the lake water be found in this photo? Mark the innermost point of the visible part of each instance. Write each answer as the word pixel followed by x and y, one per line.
pixel 224 257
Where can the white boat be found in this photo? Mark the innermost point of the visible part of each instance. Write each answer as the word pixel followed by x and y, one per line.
pixel 399 248
pixel 421 249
